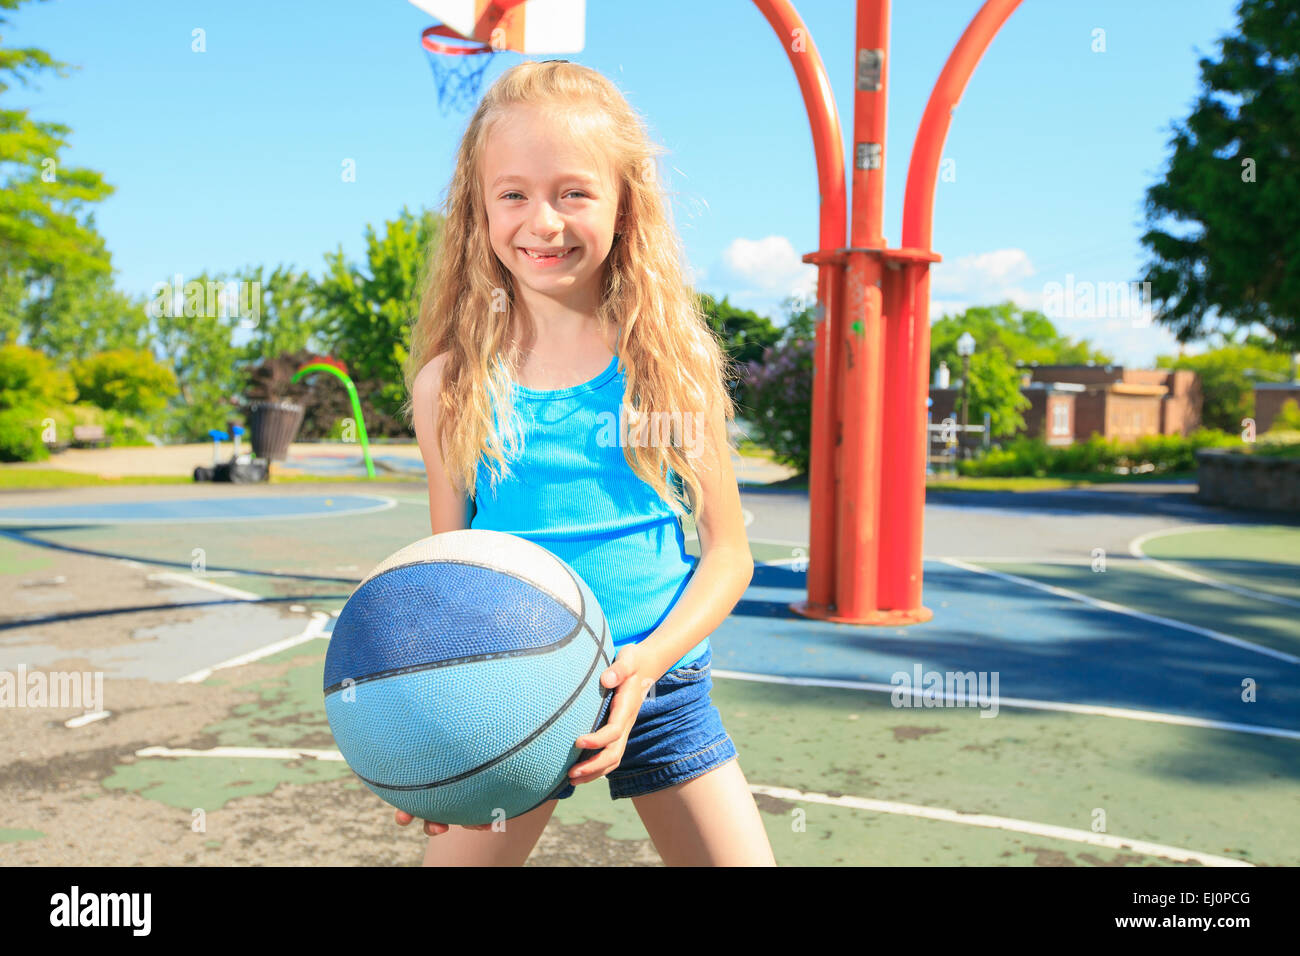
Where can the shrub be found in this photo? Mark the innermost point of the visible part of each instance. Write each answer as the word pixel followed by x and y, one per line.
pixel 1288 417
pixel 29 378
pixel 779 390
pixel 1152 454
pixel 130 381
pixel 20 434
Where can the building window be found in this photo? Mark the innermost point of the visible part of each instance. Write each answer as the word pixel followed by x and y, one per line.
pixel 1060 419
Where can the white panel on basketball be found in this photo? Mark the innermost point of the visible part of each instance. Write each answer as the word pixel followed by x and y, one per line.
pixel 507 553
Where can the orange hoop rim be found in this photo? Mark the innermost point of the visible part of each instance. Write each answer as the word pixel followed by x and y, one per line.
pixel 442 30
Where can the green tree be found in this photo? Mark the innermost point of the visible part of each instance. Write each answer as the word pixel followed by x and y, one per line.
pixel 1022 335
pixel 287 319
pixel 801 318
pixel 994 388
pixel 79 312
pixel 745 336
pixel 196 337
pixel 1227 374
pixel 367 311
pixel 45 232
pixel 1004 334
pixel 1232 189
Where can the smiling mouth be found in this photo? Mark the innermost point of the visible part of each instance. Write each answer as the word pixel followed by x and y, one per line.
pixel 548 256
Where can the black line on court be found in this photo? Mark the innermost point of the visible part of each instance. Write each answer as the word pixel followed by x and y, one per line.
pixel 20 534
pixel 14 623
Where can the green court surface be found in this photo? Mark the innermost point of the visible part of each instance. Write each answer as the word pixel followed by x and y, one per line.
pixel 1122 736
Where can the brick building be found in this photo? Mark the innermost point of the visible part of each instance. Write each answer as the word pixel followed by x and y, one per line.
pixel 1121 403
pixel 1072 402
pixel 1269 399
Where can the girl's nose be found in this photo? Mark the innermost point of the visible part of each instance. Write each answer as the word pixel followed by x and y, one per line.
pixel 545 220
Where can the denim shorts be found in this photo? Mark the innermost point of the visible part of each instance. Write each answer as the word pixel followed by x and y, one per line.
pixel 678 736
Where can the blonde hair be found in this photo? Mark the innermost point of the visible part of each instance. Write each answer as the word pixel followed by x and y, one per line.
pixel 670 356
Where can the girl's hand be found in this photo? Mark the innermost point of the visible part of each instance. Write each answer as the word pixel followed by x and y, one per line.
pixel 633 680
pixel 434 829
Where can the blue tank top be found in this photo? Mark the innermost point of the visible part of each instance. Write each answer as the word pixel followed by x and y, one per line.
pixel 572 492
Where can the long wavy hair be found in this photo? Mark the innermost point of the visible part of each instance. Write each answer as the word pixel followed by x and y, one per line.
pixel 671 359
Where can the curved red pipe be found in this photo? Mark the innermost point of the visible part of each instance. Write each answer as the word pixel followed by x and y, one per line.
pixel 828 148
pixel 908 365
pixel 923 170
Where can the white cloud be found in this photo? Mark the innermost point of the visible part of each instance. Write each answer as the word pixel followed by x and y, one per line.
pixel 768 267
pixel 998 275
pixel 985 278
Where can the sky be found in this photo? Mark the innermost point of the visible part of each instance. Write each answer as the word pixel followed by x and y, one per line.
pixel 234 156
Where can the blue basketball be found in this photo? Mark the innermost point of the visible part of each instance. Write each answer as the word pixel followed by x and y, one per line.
pixel 461 671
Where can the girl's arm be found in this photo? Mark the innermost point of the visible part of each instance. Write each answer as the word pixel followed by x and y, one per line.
pixel 449 509
pixel 726 565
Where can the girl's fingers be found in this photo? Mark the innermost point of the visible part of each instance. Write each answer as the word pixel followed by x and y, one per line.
pixel 403 818
pixel 595 741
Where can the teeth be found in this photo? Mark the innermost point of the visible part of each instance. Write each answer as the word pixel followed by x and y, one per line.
pixel 533 255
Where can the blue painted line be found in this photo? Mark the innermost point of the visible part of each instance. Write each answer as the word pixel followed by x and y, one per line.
pixel 199 509
pixel 1042 646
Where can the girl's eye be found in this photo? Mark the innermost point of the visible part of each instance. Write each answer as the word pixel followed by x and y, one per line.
pixel 515 192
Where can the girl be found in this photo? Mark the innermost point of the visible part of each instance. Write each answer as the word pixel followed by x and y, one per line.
pixel 556 291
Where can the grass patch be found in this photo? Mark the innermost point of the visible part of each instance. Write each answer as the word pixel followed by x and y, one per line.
pixel 18 478
pixel 1056 482
pixel 1053 483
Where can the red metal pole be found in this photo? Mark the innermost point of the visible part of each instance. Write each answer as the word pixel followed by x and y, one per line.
pixel 863 338
pixel 903 484
pixel 828 146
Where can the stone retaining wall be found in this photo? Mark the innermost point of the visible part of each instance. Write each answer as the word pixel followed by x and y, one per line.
pixel 1247 481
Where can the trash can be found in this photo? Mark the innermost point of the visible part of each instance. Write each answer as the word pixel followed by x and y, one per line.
pixel 273 425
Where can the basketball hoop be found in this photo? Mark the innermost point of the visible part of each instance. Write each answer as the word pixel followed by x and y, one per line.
pixel 458 68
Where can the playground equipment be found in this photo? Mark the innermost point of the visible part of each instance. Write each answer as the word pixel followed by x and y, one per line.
pixel 322 366
pixel 871 364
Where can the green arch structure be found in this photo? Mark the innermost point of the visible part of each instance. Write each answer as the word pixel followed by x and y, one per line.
pixel 356 404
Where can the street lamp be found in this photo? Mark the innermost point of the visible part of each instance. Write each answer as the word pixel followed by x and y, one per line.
pixel 965 348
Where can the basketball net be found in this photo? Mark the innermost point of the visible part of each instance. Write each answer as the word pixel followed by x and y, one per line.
pixel 458 68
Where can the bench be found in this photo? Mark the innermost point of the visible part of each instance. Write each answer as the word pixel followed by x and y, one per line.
pixel 89 436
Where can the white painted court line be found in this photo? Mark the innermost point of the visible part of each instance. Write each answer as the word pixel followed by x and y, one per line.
pixel 1095 710
pixel 1135 549
pixel 1020 559
pixel 194 580
pixel 1107 840
pixel 1121 609
pixel 786 793
pixel 87 718
pixel 315 629
pixel 260 753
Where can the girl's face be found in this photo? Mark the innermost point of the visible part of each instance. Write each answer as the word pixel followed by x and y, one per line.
pixel 551 208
